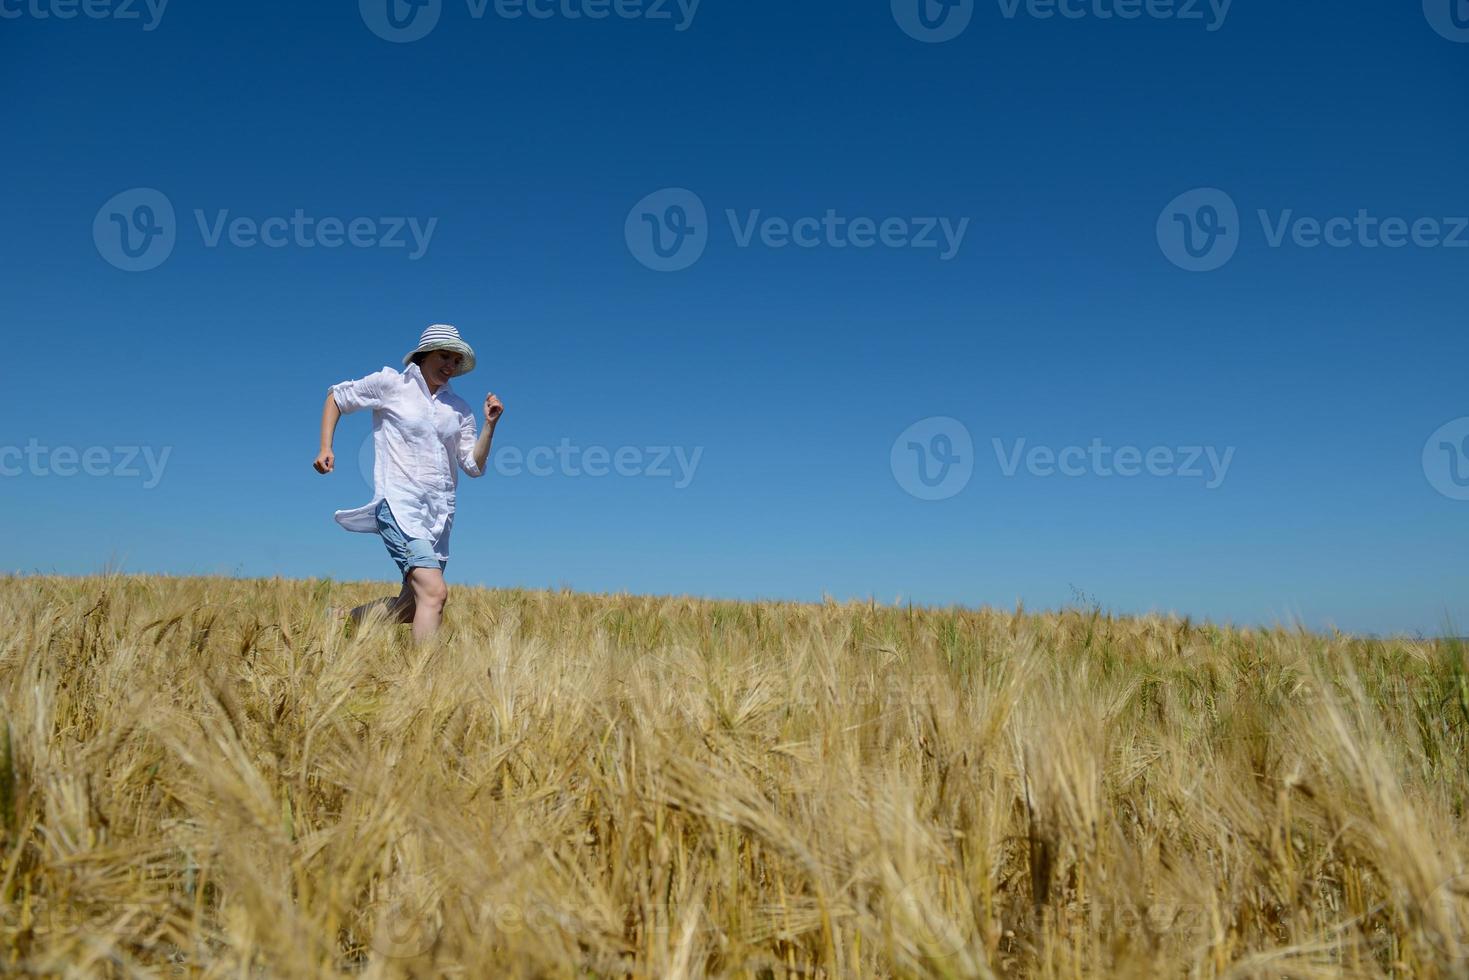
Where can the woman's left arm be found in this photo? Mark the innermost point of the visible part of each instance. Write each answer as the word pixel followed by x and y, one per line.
pixel 494 408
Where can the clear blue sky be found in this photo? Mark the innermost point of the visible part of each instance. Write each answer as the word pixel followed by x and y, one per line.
pixel 1060 319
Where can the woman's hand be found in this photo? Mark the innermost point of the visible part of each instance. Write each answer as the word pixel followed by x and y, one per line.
pixel 494 408
pixel 330 413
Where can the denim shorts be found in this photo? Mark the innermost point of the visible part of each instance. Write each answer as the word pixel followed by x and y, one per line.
pixel 405 551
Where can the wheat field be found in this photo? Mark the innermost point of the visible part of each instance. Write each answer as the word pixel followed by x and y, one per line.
pixel 207 777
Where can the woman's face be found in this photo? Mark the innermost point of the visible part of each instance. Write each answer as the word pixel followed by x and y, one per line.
pixel 438 366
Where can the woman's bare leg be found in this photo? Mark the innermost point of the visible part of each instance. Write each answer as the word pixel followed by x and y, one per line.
pixel 429 595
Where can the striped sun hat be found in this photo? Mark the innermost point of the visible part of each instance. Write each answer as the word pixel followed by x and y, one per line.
pixel 441 336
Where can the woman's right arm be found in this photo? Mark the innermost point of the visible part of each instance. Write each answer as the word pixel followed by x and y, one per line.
pixel 330 413
pixel 346 398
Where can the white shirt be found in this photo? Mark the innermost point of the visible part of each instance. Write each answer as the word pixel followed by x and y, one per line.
pixel 417 438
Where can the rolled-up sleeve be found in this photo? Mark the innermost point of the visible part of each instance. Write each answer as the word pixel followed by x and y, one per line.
pixel 468 436
pixel 353 396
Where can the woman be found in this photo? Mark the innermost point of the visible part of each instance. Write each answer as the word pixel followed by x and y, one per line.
pixel 421 431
